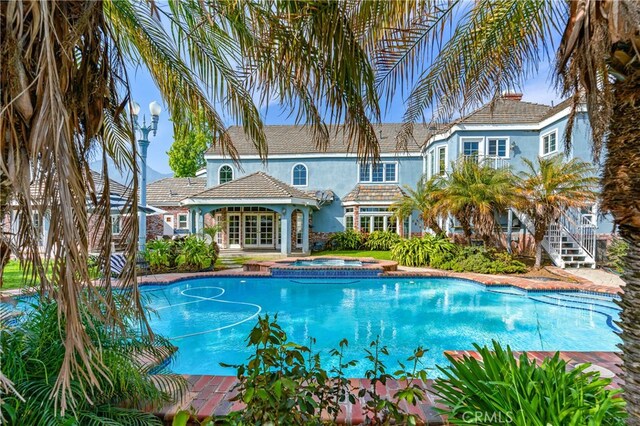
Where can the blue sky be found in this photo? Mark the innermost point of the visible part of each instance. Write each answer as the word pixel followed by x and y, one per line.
pixel 538 89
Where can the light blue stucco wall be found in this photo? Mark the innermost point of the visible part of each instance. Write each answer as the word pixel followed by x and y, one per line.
pixel 339 174
pixel 527 144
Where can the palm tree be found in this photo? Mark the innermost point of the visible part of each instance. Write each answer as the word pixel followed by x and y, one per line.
pixel 475 194
pixel 494 46
pixel 64 89
pixel 424 198
pixel 550 186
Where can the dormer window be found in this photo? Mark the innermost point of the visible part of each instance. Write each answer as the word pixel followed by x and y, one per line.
pixel 225 174
pixel 299 175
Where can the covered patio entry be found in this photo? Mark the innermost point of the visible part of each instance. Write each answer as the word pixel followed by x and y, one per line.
pixel 256 211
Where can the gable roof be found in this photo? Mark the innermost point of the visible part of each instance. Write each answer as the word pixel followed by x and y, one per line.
pixel 170 191
pixel 296 139
pixel 258 185
pixel 367 192
pixel 115 188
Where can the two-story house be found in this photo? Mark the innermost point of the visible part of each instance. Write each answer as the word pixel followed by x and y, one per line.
pixel 300 195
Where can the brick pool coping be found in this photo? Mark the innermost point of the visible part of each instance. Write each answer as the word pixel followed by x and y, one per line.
pixel 210 395
pixel 368 263
pixel 517 281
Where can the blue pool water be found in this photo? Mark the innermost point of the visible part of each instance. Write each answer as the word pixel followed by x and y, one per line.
pixel 210 318
pixel 327 262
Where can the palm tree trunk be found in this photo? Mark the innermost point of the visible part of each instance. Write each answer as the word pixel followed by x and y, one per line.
pixel 621 196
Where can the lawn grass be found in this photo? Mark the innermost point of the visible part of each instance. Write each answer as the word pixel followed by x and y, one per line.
pixel 12 276
pixel 381 255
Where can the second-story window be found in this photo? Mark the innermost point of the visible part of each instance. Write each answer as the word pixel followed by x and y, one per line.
pixel 549 143
pixel 225 174
pixel 299 177
pixel 497 147
pixel 379 173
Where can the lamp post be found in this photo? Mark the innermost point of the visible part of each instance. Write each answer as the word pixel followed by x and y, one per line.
pixel 155 109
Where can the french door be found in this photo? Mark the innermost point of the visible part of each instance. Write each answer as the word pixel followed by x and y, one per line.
pixel 259 230
pixel 233 230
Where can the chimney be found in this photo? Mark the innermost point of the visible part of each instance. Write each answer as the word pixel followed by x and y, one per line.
pixel 512 96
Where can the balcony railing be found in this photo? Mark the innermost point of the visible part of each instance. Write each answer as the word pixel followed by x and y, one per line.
pixel 488 160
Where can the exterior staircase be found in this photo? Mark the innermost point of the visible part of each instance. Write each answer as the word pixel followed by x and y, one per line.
pixel 570 241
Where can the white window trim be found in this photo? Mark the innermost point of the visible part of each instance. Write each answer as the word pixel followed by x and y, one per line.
pixel 232 172
pixel 395 180
pixel 481 144
pixel 542 136
pixel 446 158
pixel 178 220
pixel 306 177
pixel 508 148
pixel 119 224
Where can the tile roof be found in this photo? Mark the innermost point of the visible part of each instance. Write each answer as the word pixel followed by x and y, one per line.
pixel 367 192
pixel 287 139
pixel 258 185
pixel 506 111
pixel 115 188
pixel 170 191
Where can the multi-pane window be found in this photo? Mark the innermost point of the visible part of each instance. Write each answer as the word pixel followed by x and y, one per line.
pixel 550 142
pixel 497 147
pixel 373 219
pixel 348 222
pixel 378 223
pixel 471 147
pixel 299 175
pixel 365 173
pixel 116 225
pixel 225 174
pixel 365 223
pixel 442 160
pixel 377 173
pixel 437 161
pixel 381 172
pixel 183 220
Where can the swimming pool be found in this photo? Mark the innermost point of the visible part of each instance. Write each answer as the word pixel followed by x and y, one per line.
pixel 210 318
pixel 327 262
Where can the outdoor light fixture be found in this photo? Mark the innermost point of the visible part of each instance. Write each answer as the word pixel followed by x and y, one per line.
pixel 155 109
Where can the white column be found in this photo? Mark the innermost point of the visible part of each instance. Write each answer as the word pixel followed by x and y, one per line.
pixel 305 230
pixel 285 231
pixel 509 228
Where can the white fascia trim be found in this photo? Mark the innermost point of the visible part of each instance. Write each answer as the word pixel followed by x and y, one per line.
pixel 247 201
pixel 367 203
pixel 311 155
pixel 497 127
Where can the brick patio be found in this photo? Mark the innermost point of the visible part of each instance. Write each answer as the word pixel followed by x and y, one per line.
pixel 210 395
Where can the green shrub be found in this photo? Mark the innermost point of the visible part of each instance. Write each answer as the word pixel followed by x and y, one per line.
pixel 420 251
pixel 33 354
pixel 501 389
pixel 482 261
pixel 184 255
pixel 617 254
pixel 283 383
pixel 347 240
pixel 195 254
pixel 160 254
pixel 382 240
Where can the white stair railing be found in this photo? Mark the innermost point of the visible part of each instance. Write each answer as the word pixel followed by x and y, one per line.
pixel 573 228
pixel 582 228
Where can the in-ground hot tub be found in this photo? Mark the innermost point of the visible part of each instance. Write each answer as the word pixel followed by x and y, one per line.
pixel 366 267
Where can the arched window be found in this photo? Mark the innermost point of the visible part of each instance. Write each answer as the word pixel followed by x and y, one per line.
pixel 299 177
pixel 225 174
